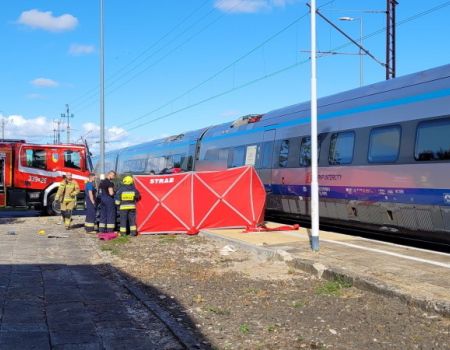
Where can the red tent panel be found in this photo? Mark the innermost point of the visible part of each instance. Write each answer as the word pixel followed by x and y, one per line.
pixel 188 202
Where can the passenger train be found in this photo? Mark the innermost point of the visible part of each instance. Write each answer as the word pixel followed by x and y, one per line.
pixel 384 156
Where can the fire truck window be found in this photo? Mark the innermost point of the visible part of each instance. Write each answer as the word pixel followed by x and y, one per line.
pixel 72 159
pixel 35 158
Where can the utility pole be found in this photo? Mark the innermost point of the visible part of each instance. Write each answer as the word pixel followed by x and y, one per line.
pixel 390 39
pixel 68 116
pixel 57 131
pixel 102 93
pixel 3 124
pixel 314 163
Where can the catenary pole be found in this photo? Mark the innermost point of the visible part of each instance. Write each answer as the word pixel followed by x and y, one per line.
pixel 314 158
pixel 102 95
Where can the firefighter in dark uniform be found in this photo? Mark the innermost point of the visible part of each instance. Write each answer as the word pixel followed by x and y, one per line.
pixel 126 198
pixel 91 204
pixel 107 205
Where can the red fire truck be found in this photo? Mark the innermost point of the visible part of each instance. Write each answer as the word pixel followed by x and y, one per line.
pixel 30 173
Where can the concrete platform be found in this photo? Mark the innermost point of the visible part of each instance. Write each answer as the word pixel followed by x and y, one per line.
pixel 419 277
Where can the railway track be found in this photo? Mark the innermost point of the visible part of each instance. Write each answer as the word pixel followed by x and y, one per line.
pixel 385 236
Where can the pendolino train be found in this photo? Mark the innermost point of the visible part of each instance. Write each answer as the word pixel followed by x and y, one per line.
pixel 384 155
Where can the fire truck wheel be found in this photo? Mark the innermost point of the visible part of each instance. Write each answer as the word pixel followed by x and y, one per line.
pixel 53 207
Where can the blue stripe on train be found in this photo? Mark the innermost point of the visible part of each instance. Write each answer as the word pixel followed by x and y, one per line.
pixel 424 196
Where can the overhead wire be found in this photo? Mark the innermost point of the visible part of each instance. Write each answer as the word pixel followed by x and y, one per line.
pixel 271 74
pixel 112 88
pixel 145 51
pixel 220 71
pixel 93 91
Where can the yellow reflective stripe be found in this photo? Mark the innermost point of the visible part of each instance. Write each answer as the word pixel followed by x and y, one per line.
pixel 123 229
pixel 117 202
pixel 127 206
pixel 127 196
pixel 102 225
pixel 89 224
pixel 132 228
pixel 110 225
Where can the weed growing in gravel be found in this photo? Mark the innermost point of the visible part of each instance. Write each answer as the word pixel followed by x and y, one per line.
pixel 298 303
pixel 333 288
pixel 109 248
pixel 272 328
pixel 218 310
pixel 244 328
pixel 113 245
pixel 121 240
pixel 252 290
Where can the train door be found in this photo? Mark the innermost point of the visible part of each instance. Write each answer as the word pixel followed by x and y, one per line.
pixel 266 158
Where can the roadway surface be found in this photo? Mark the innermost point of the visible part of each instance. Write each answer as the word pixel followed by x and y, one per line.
pixel 56 293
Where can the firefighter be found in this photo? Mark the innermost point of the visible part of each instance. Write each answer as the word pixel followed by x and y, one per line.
pixel 67 196
pixel 91 205
pixel 126 198
pixel 107 206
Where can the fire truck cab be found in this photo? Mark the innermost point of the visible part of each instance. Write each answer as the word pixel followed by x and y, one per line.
pixel 30 173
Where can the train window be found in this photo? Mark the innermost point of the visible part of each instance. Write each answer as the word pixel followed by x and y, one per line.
pixel 156 164
pixel 212 154
pixel 341 148
pixel 267 151
pixel 134 166
pixel 250 155
pixel 284 153
pixel 384 144
pixel 34 158
pixel 223 154
pixel 238 157
pixel 432 140
pixel 72 159
pixel 110 162
pixel 305 150
pixel 177 160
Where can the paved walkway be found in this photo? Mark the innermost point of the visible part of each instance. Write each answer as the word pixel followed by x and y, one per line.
pixel 418 276
pixel 55 293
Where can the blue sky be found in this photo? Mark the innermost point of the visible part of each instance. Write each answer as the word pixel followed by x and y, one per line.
pixel 156 51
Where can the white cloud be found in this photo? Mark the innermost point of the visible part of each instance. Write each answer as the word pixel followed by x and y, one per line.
pixel 34 96
pixel 79 49
pixel 46 21
pixel 249 6
pixel 44 82
pixel 115 137
pixel 38 129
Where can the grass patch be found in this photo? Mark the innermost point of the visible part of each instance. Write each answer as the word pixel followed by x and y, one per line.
pixel 167 239
pixel 113 245
pixel 272 328
pixel 121 240
pixel 244 328
pixel 108 248
pixel 298 304
pixel 334 287
pixel 252 290
pixel 218 310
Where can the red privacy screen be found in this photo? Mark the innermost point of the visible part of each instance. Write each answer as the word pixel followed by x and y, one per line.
pixel 188 202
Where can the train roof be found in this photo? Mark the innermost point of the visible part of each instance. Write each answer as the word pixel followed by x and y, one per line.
pixel 292 111
pixel 182 138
